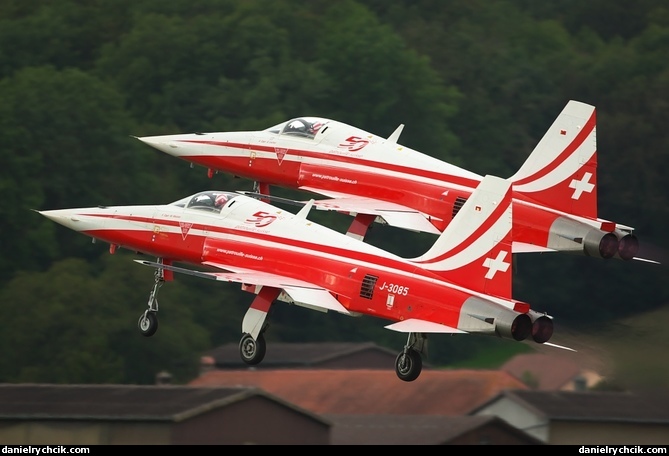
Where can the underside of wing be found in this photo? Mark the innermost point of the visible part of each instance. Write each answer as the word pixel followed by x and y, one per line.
pixel 300 292
pixel 392 214
pixel 414 325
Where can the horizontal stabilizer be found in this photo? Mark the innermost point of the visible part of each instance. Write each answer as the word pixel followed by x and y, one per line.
pixel 647 260
pixel 423 326
pixel 558 346
pixel 521 247
pixel 315 297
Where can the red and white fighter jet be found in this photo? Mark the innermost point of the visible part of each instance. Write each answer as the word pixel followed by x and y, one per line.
pixel 377 179
pixel 462 284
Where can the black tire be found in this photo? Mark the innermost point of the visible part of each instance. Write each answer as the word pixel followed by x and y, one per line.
pixel 148 324
pixel 408 365
pixel 252 351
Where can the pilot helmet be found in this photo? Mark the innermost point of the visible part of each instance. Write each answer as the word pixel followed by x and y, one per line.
pixel 221 200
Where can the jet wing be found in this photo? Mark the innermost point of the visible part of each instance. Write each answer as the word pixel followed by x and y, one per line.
pixel 393 214
pixel 423 326
pixel 300 291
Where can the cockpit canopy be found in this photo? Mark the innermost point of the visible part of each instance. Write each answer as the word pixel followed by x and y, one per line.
pixel 305 127
pixel 211 200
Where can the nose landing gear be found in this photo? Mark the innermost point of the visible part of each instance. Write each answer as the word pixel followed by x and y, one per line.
pixel 148 321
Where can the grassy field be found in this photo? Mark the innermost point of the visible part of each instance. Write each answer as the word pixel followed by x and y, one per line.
pixel 632 353
pixel 494 356
pixel 638 350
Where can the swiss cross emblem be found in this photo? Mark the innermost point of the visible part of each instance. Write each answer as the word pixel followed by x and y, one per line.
pixel 280 153
pixel 185 228
pixel 496 264
pixel 581 185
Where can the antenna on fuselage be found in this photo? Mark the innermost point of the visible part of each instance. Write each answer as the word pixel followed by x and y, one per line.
pixel 305 210
pixel 396 134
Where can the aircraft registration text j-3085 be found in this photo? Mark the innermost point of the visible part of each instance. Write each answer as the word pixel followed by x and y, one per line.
pixel 394 288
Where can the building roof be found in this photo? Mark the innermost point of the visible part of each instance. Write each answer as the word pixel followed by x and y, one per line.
pixel 372 391
pixel 590 405
pixel 292 355
pixel 548 372
pixel 413 429
pixel 122 402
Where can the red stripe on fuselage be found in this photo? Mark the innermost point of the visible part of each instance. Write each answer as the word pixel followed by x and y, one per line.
pixel 423 298
pixel 341 159
pixel 427 296
pixel 221 231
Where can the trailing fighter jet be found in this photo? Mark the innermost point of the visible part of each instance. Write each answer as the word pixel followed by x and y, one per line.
pixel 462 284
pixel 377 179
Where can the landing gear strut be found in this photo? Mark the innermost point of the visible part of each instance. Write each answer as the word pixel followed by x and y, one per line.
pixel 252 345
pixel 148 321
pixel 409 362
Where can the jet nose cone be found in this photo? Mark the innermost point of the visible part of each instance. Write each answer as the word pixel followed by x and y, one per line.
pixel 59 214
pixel 65 217
pixel 165 144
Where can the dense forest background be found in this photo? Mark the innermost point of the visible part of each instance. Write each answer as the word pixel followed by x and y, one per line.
pixel 476 83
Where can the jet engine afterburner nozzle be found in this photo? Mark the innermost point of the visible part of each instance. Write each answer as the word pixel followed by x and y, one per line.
pixel 486 317
pixel 520 327
pixel 599 244
pixel 542 329
pixel 628 247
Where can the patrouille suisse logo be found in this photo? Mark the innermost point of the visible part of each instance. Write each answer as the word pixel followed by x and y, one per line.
pixel 280 153
pixel 185 228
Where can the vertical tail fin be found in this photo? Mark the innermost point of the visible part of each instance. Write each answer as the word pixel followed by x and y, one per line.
pixel 561 171
pixel 475 248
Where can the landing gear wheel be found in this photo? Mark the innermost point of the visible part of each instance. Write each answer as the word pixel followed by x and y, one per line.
pixel 148 324
pixel 252 351
pixel 408 365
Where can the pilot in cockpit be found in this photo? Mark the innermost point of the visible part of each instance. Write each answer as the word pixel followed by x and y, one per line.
pixel 213 201
pixel 202 200
pixel 300 127
pixel 220 200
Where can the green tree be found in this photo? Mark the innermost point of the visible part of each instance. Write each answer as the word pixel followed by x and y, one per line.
pixel 64 34
pixel 66 145
pixel 77 323
pixel 380 83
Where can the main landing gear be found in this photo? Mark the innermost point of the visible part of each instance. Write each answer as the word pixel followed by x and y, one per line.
pixel 148 321
pixel 252 346
pixel 252 351
pixel 409 363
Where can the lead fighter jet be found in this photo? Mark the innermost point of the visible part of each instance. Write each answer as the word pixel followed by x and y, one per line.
pixel 461 285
